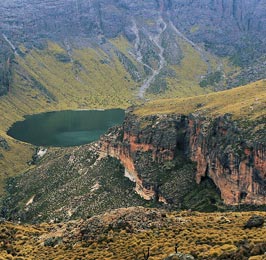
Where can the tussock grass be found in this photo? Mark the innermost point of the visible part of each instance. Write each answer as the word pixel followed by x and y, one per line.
pixel 243 102
pixel 206 236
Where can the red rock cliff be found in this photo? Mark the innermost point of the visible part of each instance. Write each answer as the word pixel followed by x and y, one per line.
pixel 237 165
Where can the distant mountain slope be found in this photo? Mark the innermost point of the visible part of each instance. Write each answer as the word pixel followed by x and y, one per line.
pixel 78 54
pixel 226 28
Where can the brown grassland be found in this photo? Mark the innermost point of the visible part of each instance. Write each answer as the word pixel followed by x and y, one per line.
pixel 206 236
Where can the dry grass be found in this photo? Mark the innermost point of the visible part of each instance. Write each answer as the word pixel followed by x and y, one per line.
pixel 206 236
pixel 247 102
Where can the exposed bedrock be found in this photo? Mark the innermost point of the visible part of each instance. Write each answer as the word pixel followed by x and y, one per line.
pixel 220 147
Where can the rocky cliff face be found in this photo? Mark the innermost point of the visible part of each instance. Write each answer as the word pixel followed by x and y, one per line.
pixel 172 161
pixel 159 141
pixel 62 19
pixel 236 166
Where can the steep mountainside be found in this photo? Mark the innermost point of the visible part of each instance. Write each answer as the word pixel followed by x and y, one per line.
pixel 227 26
pixel 156 29
pixel 192 140
pixel 69 184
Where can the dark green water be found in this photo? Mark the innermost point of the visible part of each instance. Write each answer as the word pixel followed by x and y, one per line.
pixel 66 128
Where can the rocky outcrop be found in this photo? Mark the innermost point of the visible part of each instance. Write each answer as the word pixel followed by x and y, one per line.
pixel 237 165
pixel 123 151
pixel 159 139
pixel 254 221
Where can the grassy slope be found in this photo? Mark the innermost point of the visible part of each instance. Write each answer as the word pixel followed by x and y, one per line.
pixel 94 84
pixel 92 80
pixel 189 73
pixel 246 102
pixel 207 236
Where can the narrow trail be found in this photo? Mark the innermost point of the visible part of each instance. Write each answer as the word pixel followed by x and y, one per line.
pixel 10 44
pixel 69 53
pixel 162 62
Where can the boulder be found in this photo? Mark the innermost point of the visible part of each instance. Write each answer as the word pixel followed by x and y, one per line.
pixel 179 256
pixel 254 221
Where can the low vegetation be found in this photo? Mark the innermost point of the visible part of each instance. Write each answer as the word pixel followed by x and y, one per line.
pixel 128 233
pixel 212 79
pixel 243 102
pixel 190 77
pixel 69 183
pixel 185 81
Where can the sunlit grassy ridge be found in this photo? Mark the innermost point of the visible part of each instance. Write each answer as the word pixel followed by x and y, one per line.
pixel 243 102
pixel 206 236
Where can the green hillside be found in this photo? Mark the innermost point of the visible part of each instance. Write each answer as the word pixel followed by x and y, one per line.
pixel 45 80
pixel 243 102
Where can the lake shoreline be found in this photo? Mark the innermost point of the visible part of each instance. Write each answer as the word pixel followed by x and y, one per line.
pixel 65 128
